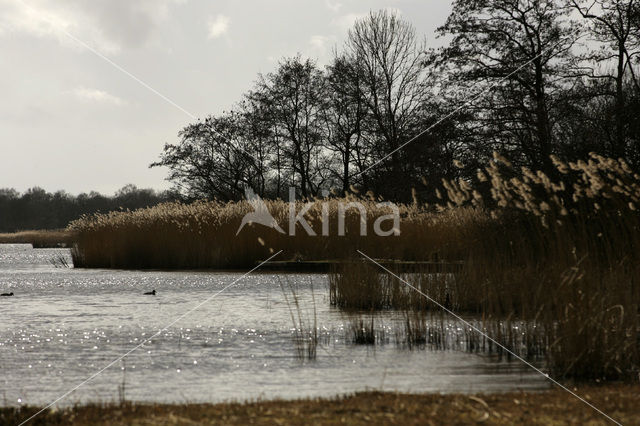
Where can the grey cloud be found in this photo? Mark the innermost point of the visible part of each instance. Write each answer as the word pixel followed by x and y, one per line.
pixel 109 25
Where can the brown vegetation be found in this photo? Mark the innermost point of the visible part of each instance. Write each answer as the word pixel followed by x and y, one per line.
pixel 621 402
pixel 203 235
pixel 39 239
pixel 557 252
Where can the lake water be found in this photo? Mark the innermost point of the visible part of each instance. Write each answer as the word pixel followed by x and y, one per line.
pixel 65 324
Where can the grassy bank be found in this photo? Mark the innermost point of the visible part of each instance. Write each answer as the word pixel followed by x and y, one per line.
pixel 557 407
pixel 39 238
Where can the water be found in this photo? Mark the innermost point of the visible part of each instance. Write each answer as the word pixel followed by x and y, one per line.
pixel 63 325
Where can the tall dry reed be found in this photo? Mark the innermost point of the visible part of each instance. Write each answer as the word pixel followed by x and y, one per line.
pixel 557 252
pixel 39 238
pixel 203 235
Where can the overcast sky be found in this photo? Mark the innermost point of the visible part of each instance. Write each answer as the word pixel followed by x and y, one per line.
pixel 71 120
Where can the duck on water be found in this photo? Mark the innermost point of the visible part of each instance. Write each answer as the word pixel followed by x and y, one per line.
pixel 6 294
pixel 150 293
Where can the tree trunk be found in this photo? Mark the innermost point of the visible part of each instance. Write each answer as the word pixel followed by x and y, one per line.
pixel 542 121
pixel 619 148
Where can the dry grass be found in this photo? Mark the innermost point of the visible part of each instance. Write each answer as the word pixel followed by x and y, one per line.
pixel 39 239
pixel 203 235
pixel 559 254
pixel 305 329
pixel 361 331
pixel 621 402
pixel 562 254
pixel 361 286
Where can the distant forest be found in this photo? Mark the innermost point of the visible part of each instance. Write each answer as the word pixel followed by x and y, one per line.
pixel 39 209
pixel 530 79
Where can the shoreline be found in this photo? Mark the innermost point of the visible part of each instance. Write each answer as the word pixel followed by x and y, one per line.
pixel 555 406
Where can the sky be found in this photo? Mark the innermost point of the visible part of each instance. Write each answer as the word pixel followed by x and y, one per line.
pixel 91 90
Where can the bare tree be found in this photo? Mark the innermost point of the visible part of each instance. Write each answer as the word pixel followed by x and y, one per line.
pixel 389 62
pixel 208 163
pixel 615 24
pixel 293 99
pixel 521 49
pixel 345 117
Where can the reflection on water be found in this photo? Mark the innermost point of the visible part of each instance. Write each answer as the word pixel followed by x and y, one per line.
pixel 64 324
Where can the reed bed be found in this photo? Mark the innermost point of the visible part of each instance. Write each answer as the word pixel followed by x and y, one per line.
pixel 362 286
pixel 559 253
pixel 203 235
pixel 39 238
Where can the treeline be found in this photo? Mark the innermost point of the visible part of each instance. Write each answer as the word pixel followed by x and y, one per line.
pixel 39 209
pixel 526 78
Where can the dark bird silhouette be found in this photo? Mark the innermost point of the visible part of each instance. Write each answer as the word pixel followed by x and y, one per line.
pixel 7 294
pixel 151 293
